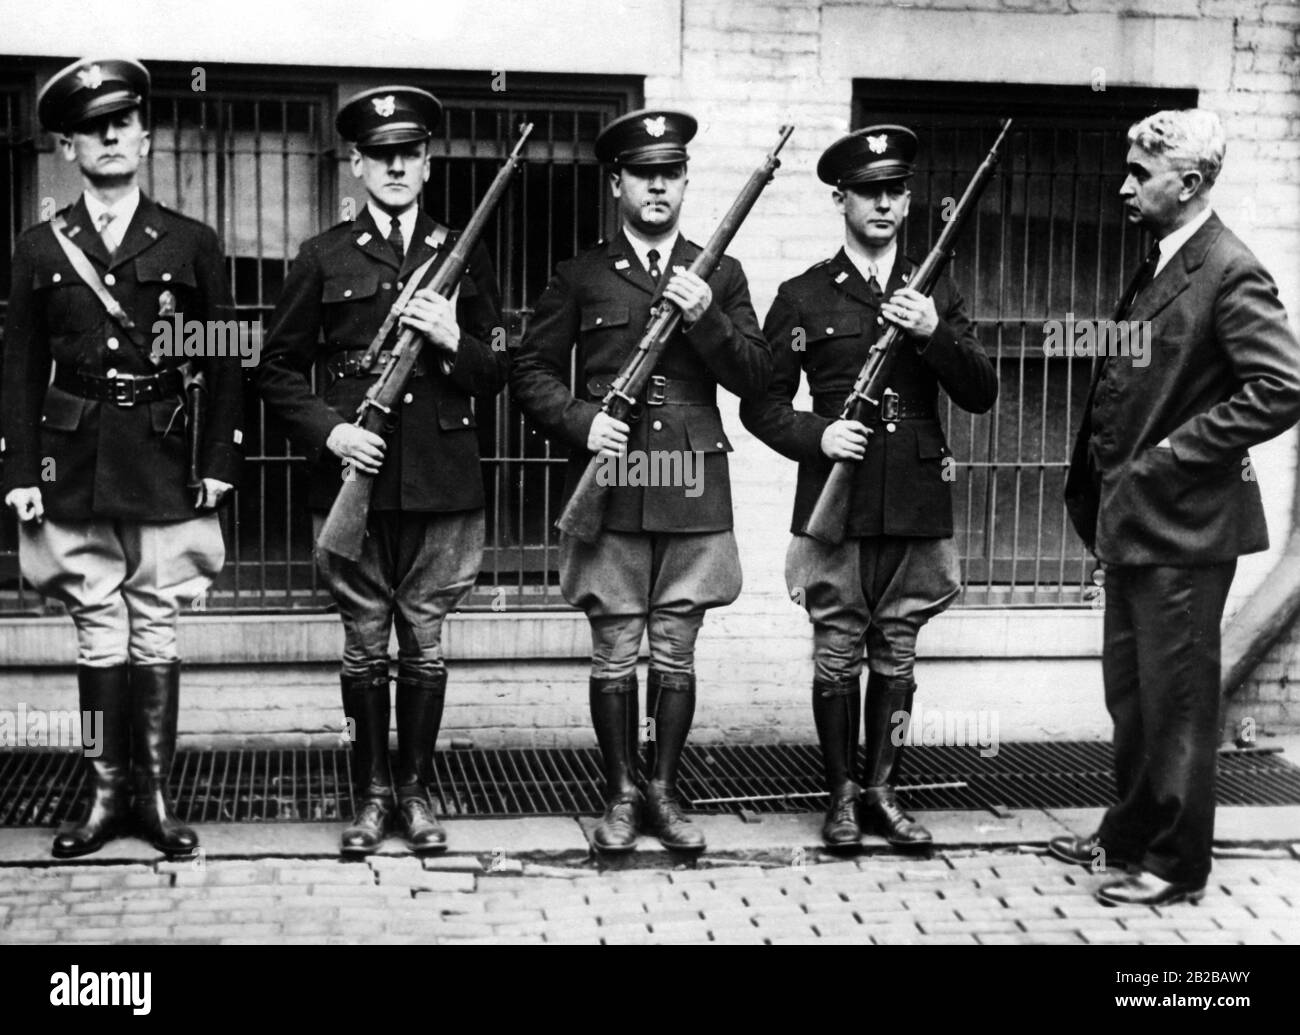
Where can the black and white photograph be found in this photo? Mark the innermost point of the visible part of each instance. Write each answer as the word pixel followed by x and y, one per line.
pixel 650 472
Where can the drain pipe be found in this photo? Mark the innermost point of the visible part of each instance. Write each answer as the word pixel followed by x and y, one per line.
pixel 1268 613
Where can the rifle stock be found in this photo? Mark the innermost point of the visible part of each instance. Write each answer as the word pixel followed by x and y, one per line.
pixel 344 530
pixel 583 516
pixel 828 521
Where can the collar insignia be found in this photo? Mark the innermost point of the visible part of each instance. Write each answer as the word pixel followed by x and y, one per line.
pixel 841 277
pixel 364 237
pixel 622 264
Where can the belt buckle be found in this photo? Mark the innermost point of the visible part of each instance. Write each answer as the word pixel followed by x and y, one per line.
pixel 889 404
pixel 658 391
pixel 121 395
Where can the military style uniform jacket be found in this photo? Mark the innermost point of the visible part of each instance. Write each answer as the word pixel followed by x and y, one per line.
pixel 94 458
pixel 1223 374
pixel 338 293
pixel 823 323
pixel 600 300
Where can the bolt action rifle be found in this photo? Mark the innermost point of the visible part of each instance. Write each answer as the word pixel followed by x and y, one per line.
pixel 584 514
pixel 344 530
pixel 830 515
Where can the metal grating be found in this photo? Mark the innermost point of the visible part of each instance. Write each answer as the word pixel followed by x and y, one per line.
pixel 42 788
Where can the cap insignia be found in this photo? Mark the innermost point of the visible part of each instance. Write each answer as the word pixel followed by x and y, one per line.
pixel 878 143
pixel 655 127
pixel 384 106
pixel 91 78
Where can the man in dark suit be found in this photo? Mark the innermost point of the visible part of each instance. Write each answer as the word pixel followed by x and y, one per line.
pixel 1160 488
pixel 114 522
pixel 897 567
pixel 425 531
pixel 667 552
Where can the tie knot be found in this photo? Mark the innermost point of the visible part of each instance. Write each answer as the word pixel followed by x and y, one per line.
pixel 653 255
pixel 104 219
pixel 395 224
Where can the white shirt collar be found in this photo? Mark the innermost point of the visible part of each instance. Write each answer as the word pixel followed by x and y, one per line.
pixel 1170 244
pixel 884 265
pixel 642 247
pixel 406 220
pixel 123 212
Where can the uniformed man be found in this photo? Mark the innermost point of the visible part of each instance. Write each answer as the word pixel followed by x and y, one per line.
pixel 897 567
pixel 424 540
pixel 115 522
pixel 667 552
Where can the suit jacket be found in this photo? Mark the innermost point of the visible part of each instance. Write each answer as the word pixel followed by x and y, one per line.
pixel 338 292
pixel 600 301
pixel 823 324
pixel 99 459
pixel 1223 375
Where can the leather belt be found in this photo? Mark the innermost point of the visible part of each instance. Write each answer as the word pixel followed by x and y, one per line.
pixel 347 363
pixel 664 391
pixel 123 390
pixel 905 410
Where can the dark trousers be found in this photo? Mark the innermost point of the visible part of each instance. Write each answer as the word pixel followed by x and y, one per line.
pixel 1160 666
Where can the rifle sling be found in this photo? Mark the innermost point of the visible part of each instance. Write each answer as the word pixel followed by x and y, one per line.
pixel 439 236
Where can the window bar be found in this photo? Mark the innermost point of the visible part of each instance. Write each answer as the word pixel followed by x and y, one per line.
pixel 1043 455
pixel 1070 367
pixel 994 424
pixel 971 462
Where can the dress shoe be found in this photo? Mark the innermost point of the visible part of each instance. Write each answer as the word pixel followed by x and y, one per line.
pixel 841 828
pixel 885 817
pixel 1087 851
pixel 420 826
pixel 1146 889
pixel 366 831
pixel 616 832
pixel 665 820
pixel 104 691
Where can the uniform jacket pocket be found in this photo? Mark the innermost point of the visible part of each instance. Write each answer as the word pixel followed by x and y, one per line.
pixel 62 410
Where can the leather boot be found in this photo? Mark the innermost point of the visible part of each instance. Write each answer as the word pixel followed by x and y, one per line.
pixel 366 704
pixel 420 698
pixel 104 691
pixel 155 701
pixel 613 713
pixel 670 703
pixel 887 696
pixel 836 710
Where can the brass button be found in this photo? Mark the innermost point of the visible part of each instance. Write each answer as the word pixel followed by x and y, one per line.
pixel 600 320
pixel 112 343
pixel 109 279
pixel 167 276
pixel 880 319
pixel 112 372
pixel 891 426
pixel 386 285
pixel 58 277
pixel 658 425
pixel 830 330
pixel 464 420
pixel 400 285
pixel 721 446
pixel 407 397
pixel 347 293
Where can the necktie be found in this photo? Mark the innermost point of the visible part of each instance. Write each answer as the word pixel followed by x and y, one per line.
pixel 655 271
pixel 1145 274
pixel 109 244
pixel 395 240
pixel 873 285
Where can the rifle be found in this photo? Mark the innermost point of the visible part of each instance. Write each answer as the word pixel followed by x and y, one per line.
pixel 344 530
pixel 584 514
pixel 831 513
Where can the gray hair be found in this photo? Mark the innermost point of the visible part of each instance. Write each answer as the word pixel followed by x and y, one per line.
pixel 1190 139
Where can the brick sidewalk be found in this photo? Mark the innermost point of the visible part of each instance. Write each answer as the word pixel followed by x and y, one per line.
pixel 962 897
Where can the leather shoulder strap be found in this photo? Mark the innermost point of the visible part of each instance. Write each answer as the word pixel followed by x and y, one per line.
pixel 85 269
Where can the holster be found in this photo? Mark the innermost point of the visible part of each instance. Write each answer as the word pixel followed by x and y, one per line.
pixel 196 406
